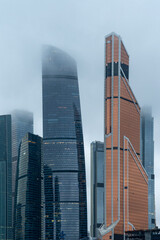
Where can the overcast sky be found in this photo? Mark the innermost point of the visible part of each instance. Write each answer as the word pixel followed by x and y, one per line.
pixel 79 27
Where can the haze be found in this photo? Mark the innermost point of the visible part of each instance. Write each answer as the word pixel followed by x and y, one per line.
pixel 79 27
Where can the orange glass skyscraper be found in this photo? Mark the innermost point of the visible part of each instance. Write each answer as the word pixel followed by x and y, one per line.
pixel 126 181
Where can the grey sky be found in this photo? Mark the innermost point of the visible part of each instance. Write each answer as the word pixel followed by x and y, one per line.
pixel 79 27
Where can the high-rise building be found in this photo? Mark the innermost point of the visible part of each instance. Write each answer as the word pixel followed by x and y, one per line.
pixel 147 156
pixel 5 178
pixel 126 181
pixel 150 234
pixel 29 180
pixel 22 123
pixel 97 186
pixel 64 162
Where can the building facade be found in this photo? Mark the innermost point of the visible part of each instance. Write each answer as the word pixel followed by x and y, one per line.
pixel 63 148
pixel 29 195
pixel 153 234
pixel 22 123
pixel 126 181
pixel 147 156
pixel 5 178
pixel 97 186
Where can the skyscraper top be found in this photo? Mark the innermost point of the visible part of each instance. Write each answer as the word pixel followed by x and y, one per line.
pixel 22 114
pixel 56 62
pixel 146 110
pixel 119 37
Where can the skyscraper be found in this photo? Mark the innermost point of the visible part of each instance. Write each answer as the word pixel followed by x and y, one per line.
pixel 97 186
pixel 64 162
pixel 147 156
pixel 28 207
pixel 22 123
pixel 126 181
pixel 5 178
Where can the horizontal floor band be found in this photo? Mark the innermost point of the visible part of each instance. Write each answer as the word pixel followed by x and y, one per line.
pixel 116 148
pixel 60 76
pixel 44 139
pixel 51 203
pixel 74 171
pixel 126 99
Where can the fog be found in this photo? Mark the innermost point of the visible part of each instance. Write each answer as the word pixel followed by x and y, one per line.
pixel 79 27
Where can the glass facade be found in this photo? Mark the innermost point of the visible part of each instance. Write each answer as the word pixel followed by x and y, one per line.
pixel 5 178
pixel 151 234
pixel 97 186
pixel 147 156
pixel 29 195
pixel 126 181
pixel 22 123
pixel 63 148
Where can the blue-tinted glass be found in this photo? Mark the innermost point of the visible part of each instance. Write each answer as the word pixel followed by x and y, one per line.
pixel 64 169
pixel 147 156
pixel 22 123
pixel 100 167
pixel 97 186
pixel 100 205
pixel 5 178
pixel 28 202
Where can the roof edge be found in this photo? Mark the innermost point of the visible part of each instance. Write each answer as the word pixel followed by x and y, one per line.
pixel 115 34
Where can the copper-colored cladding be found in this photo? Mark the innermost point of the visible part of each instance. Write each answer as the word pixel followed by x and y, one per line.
pixel 136 201
pixel 126 179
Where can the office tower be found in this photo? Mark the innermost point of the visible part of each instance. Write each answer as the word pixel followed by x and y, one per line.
pixel 147 156
pixel 5 178
pixel 64 162
pixel 22 123
pixel 97 186
pixel 126 181
pixel 28 203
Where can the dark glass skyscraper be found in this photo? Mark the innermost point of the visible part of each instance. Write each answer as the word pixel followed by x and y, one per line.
pixel 28 207
pixel 147 156
pixel 64 162
pixel 97 186
pixel 22 123
pixel 5 178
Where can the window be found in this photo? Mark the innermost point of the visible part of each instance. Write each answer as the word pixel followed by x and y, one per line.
pixel 153 221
